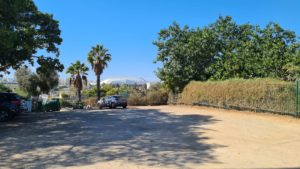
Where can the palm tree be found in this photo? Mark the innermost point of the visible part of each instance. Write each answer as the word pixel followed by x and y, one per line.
pixel 98 58
pixel 78 73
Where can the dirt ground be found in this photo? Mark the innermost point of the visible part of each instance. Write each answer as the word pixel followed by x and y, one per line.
pixel 151 137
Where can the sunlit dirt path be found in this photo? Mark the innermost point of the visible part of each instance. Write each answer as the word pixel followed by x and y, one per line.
pixel 150 138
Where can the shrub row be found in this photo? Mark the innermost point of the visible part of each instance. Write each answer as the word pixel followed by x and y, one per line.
pixel 151 98
pixel 256 94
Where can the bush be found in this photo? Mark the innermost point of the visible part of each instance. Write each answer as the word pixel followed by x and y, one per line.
pixel 112 91
pixel 22 93
pixel 256 94
pixel 152 98
pixel 4 88
pixel 156 95
pixel 137 100
pixel 78 105
pixel 92 101
pixel 157 98
pixel 65 103
pixel 90 93
pixel 65 96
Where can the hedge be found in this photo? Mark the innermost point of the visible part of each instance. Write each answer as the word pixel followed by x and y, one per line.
pixel 255 94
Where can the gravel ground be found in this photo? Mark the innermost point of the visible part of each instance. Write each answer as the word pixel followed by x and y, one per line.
pixel 150 138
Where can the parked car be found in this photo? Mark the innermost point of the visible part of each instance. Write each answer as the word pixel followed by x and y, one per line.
pixel 112 102
pixel 10 105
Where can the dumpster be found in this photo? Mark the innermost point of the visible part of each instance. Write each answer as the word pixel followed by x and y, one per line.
pixel 51 105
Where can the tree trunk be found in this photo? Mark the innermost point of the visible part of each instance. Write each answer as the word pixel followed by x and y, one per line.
pixel 79 94
pixel 98 88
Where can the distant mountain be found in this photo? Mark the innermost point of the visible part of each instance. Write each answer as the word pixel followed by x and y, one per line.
pixel 124 80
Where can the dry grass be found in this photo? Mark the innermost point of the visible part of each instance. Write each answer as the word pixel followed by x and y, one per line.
pixel 137 100
pixel 92 101
pixel 258 94
pixel 151 98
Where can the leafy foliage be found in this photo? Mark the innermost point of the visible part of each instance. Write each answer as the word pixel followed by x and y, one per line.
pixel 22 93
pixel 48 80
pixel 4 88
pixel 26 30
pixel 99 57
pixel 224 50
pixel 78 73
pixel 35 84
pixel 107 90
pixel 157 94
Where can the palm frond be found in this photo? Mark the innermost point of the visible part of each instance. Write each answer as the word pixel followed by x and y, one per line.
pixel 99 58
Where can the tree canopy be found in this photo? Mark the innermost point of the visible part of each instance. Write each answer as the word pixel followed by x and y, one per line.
pixel 98 57
pixel 23 31
pixel 35 84
pixel 78 73
pixel 224 50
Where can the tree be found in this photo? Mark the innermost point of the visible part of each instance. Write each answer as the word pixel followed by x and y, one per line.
pixel 236 50
pixel 48 80
pixel 185 54
pixel 99 57
pixel 36 83
pixel 27 81
pixel 26 30
pixel 78 73
pixel 247 51
pixel 225 50
pixel 172 52
pixel 279 51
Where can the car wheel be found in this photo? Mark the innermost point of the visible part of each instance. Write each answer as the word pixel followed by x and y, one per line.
pixel 113 105
pixel 4 116
pixel 124 107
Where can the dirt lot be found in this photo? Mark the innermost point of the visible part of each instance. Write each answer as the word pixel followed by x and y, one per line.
pixel 150 138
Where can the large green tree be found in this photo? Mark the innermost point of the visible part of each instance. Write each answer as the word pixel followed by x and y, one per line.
pixel 236 50
pixel 99 57
pixel 23 31
pixel 78 73
pixel 185 54
pixel 36 83
pixel 225 49
pixel 172 52
pixel 247 51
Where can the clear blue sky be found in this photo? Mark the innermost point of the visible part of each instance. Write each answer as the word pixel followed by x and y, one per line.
pixel 128 27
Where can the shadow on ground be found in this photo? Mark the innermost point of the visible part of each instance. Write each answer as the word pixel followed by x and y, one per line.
pixel 148 137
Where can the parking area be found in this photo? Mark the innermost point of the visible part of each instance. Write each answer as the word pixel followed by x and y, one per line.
pixel 150 138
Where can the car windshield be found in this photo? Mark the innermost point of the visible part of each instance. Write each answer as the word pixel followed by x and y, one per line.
pixel 118 97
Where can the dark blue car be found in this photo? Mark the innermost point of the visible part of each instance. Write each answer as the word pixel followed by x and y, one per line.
pixel 10 106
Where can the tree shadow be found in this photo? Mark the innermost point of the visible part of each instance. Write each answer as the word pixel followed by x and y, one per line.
pixel 76 138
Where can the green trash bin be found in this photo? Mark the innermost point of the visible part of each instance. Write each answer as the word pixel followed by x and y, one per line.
pixel 51 105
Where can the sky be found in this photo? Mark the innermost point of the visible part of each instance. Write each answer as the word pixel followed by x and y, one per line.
pixel 128 27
